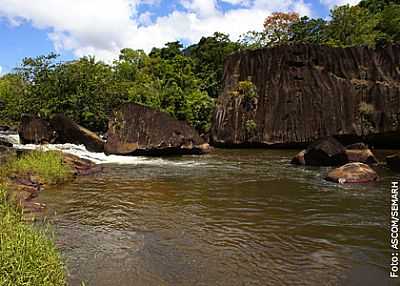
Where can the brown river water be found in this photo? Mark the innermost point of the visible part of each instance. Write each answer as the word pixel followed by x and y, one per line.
pixel 233 217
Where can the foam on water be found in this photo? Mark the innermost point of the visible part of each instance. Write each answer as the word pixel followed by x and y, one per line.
pixel 98 158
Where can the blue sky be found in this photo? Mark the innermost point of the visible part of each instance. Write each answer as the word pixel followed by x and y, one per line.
pixel 75 28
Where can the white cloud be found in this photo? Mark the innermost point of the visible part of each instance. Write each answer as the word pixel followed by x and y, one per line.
pixel 1 70
pixel 103 27
pixel 332 3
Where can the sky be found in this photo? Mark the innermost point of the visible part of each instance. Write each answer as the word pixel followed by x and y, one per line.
pixel 75 28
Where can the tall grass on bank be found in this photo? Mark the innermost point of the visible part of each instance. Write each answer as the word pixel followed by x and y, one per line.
pixel 48 166
pixel 27 256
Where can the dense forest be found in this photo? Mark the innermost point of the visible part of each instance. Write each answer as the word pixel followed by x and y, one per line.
pixel 181 81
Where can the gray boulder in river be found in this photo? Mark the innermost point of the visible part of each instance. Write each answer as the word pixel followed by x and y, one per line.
pixel 138 130
pixel 60 129
pixel 325 152
pixel 35 130
pixel 330 152
pixel 70 132
pixel 352 173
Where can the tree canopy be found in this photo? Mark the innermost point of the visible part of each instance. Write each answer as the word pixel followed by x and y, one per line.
pixel 181 81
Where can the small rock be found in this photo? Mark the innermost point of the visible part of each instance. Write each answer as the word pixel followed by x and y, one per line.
pixel 361 155
pixel 299 159
pixel 5 143
pixel 352 173
pixel 357 146
pixel 4 128
pixel 393 162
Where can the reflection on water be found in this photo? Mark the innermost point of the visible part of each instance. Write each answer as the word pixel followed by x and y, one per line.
pixel 234 217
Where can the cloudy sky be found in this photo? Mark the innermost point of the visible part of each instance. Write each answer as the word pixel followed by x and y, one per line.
pixel 74 28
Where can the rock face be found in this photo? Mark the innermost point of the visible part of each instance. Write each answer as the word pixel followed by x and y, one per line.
pixel 393 162
pixel 138 130
pixel 306 92
pixel 325 152
pixel 34 130
pixel 353 173
pixel 70 132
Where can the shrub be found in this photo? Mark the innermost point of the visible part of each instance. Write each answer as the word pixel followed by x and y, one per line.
pixel 251 127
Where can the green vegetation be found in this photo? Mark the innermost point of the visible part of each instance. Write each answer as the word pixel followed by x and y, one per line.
pixel 28 255
pixel 371 22
pixel 181 81
pixel 47 166
pixel 366 111
pixel 247 89
pixel 251 127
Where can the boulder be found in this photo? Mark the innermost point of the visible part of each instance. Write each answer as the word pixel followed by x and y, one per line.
pixel 361 155
pixel 138 130
pixel 4 128
pixel 325 152
pixel 352 173
pixel 5 143
pixel 393 162
pixel 34 130
pixel 299 159
pixel 70 132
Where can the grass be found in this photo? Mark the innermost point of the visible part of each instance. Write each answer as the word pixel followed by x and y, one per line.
pixel 47 166
pixel 28 256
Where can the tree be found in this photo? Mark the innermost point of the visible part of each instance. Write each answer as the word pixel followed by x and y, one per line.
pixel 353 25
pixel 390 23
pixel 376 6
pixel 253 40
pixel 12 91
pixel 277 27
pixel 208 57
pixel 309 31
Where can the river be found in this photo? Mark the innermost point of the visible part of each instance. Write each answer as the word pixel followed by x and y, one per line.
pixel 233 217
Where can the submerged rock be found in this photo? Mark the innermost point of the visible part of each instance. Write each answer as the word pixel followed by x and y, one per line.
pixel 70 132
pixel 393 162
pixel 325 152
pixel 352 173
pixel 82 167
pixel 299 159
pixel 34 130
pixel 303 92
pixel 138 130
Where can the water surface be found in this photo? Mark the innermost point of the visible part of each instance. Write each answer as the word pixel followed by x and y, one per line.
pixel 234 217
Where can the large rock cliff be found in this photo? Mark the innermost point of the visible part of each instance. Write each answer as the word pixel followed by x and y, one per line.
pixel 302 92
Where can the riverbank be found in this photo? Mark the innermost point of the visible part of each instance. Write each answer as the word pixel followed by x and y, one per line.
pixel 28 255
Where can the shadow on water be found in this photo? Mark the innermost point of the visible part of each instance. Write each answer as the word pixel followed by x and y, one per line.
pixel 234 217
